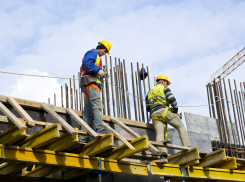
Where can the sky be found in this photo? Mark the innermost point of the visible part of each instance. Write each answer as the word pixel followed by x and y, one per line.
pixel 186 40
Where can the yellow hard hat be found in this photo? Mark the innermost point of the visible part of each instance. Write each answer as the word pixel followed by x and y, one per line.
pixel 163 77
pixel 106 44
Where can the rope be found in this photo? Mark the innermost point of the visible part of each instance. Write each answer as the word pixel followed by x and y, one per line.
pixel 114 86
pixel 37 75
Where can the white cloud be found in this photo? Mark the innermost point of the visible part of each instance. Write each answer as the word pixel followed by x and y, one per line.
pixel 187 41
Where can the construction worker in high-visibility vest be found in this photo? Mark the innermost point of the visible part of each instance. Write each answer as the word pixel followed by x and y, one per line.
pixel 157 103
pixel 90 83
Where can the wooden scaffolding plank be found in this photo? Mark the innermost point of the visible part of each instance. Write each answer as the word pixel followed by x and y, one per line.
pixel 43 171
pixel 229 163
pixel 134 134
pixel 42 138
pixel 21 111
pixel 12 117
pixel 213 158
pixel 82 123
pixel 140 144
pixel 12 135
pixel 8 168
pixel 68 127
pixel 157 161
pixel 98 145
pixel 184 157
pixel 3 119
pixel 119 137
pixel 37 105
pixel 64 141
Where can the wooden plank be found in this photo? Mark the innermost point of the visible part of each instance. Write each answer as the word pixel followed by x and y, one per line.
pixel 98 145
pixel 64 141
pixel 3 119
pixel 41 138
pixel 68 127
pixel 213 158
pixel 82 123
pixel 157 161
pixel 81 132
pixel 12 135
pixel 134 134
pixel 119 137
pixel 140 144
pixel 12 117
pixel 171 146
pixel 21 111
pixel 43 171
pixel 184 157
pixel 229 163
pixel 38 105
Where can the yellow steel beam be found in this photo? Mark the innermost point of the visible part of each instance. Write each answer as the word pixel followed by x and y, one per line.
pixel 213 158
pixel 43 137
pixel 169 170
pixel 8 168
pixel 47 157
pixel 64 141
pixel 230 163
pixel 123 151
pixel 184 157
pixel 99 145
pixel 12 135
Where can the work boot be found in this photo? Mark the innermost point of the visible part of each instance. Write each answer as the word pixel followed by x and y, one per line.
pixel 82 139
pixel 163 156
pixel 105 131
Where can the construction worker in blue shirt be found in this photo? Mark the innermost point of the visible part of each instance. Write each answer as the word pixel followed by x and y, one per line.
pixel 157 103
pixel 92 66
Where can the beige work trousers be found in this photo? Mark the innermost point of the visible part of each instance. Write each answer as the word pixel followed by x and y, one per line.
pixel 174 121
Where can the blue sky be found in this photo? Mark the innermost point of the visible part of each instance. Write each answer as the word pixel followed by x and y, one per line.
pixel 186 40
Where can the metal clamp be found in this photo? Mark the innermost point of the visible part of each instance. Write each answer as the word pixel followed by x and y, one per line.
pixel 100 171
pixel 184 176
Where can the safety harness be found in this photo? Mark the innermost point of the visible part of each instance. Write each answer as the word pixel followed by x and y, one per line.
pixel 156 98
pixel 98 63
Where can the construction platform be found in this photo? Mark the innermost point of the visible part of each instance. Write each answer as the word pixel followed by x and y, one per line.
pixel 39 142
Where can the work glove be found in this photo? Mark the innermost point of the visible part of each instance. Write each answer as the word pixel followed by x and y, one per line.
pixel 102 74
pixel 174 110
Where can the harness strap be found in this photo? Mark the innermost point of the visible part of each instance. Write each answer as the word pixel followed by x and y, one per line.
pixel 92 85
pixel 155 118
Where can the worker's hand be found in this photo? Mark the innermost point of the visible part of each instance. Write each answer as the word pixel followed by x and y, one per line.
pixel 175 110
pixel 102 74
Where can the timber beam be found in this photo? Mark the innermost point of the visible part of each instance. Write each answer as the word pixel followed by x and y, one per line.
pixel 64 141
pixel 213 158
pixel 200 173
pixel 184 157
pixel 12 135
pixel 140 144
pixel 21 111
pixel 229 163
pixel 41 138
pixel 12 117
pixel 59 119
pixel 98 145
